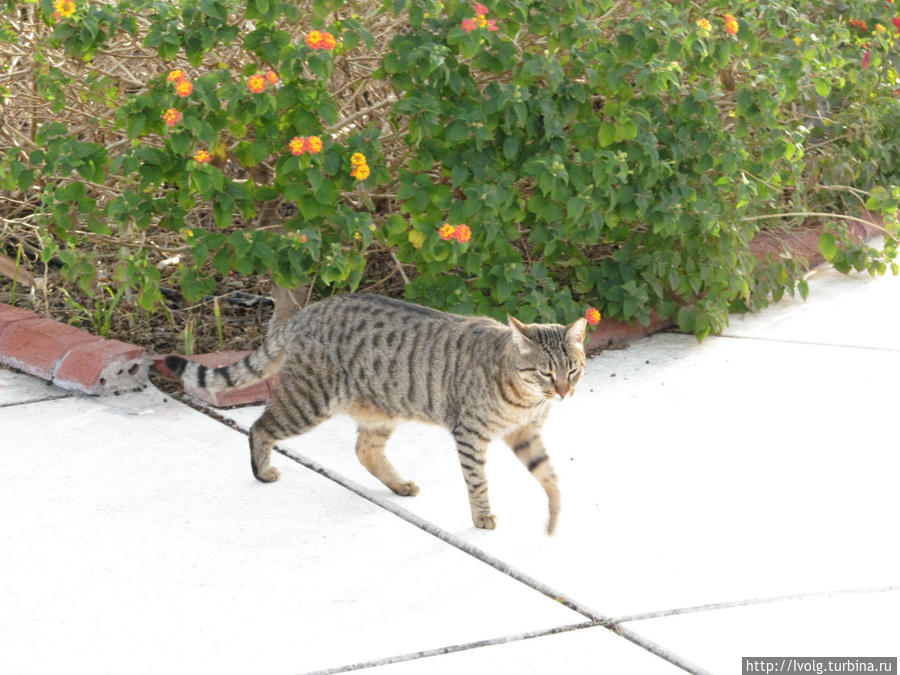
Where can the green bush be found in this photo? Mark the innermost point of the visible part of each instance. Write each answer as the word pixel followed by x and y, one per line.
pixel 606 154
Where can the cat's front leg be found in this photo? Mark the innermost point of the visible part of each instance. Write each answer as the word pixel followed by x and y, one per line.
pixel 471 448
pixel 526 443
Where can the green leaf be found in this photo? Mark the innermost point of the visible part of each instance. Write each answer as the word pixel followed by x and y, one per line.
pixel 606 134
pixel 828 245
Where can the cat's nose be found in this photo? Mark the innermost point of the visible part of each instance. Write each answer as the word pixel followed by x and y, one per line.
pixel 562 390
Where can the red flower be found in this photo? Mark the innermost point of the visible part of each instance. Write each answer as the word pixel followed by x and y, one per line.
pixel 481 10
pixel 592 315
pixel 867 58
pixel 468 25
pixel 272 77
pixel 896 22
pixel 297 145
pixel 463 233
pixel 492 25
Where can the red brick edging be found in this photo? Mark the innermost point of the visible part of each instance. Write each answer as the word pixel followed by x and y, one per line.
pixel 74 359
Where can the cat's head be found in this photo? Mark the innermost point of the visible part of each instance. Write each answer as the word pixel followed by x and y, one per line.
pixel 549 358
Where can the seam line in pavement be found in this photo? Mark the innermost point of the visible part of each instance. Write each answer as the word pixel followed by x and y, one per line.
pixel 751 601
pixel 596 618
pixel 36 400
pixel 450 649
pixel 806 342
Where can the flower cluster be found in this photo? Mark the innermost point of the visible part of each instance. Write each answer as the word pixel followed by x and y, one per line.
pixel 731 24
pixel 359 166
pixel 256 83
pixel 858 23
pixel 202 157
pixel 896 22
pixel 64 8
pixel 460 233
pixel 183 86
pixel 592 315
pixel 171 117
pixel 321 39
pixel 302 144
pixel 704 25
pixel 480 20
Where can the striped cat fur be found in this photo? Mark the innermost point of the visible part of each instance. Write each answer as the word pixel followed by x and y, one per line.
pixel 384 361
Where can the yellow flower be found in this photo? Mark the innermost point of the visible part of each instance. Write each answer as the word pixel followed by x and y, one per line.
pixel 731 24
pixel 592 315
pixel 446 232
pixel 202 156
pixel 66 8
pixel 314 144
pixel 175 75
pixel 256 84
pixel 879 28
pixel 357 159
pixel 360 172
pixel 184 87
pixel 704 24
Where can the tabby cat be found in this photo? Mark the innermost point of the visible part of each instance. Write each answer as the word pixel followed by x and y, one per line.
pixel 384 361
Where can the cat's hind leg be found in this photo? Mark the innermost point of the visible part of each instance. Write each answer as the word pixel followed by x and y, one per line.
pixel 527 445
pixel 370 444
pixel 296 407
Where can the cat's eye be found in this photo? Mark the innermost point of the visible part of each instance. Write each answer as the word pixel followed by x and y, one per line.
pixel 546 374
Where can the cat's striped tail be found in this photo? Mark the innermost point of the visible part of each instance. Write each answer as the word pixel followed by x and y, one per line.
pixel 254 367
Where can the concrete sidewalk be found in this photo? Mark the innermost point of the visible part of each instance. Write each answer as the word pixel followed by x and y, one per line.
pixel 733 498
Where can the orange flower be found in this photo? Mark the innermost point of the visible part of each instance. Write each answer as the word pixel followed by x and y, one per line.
pixel 463 233
pixel 171 117
pixel 256 84
pixel 302 238
pixel 314 144
pixel 297 145
pixel 321 39
pixel 447 232
pixel 357 159
pixel 65 8
pixel 175 75
pixel 360 172
pixel 201 156
pixel 272 77
pixel 704 24
pixel 184 87
pixel 731 24
pixel 314 39
pixel 592 315
pixel 328 41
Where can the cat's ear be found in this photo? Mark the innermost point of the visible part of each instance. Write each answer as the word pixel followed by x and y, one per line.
pixel 575 332
pixel 519 334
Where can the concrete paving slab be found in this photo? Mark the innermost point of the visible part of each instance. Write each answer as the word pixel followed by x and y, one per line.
pixel 690 474
pixel 854 309
pixel 16 388
pixel 135 540
pixel 589 650
pixel 851 625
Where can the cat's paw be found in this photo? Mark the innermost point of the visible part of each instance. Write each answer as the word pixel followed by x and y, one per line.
pixel 485 521
pixel 407 489
pixel 268 475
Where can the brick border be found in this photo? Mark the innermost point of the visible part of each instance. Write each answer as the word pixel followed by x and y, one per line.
pixel 76 360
